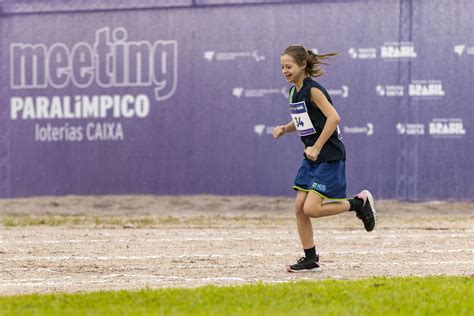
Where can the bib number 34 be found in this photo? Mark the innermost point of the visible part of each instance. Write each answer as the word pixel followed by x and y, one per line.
pixel 299 114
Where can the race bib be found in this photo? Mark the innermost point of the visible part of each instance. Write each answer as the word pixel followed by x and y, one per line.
pixel 301 119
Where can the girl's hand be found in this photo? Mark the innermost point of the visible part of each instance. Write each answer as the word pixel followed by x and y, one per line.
pixel 278 131
pixel 312 153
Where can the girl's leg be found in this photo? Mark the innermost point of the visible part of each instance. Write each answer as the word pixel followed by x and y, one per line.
pixel 314 207
pixel 303 222
pixel 310 262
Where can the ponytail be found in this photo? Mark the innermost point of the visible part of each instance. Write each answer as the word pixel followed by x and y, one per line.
pixel 313 60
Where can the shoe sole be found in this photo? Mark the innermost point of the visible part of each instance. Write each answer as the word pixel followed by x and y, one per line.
pixel 288 269
pixel 370 199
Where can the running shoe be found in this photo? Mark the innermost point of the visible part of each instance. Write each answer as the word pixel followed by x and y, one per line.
pixel 367 212
pixel 305 265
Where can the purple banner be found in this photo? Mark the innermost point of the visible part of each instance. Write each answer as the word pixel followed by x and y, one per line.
pixel 163 100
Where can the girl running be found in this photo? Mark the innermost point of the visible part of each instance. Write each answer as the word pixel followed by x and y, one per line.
pixel 321 176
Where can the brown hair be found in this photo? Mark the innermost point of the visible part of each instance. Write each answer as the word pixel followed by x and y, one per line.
pixel 313 61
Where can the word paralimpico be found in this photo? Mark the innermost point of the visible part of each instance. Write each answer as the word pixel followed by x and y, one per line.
pixel 81 106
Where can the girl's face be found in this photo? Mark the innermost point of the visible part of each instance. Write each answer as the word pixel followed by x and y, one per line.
pixel 291 70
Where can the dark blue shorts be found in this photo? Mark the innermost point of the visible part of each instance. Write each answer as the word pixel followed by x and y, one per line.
pixel 327 179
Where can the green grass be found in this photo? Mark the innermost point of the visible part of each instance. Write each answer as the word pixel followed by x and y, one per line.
pixel 439 295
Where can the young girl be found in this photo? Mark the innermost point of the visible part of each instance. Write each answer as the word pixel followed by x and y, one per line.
pixel 321 175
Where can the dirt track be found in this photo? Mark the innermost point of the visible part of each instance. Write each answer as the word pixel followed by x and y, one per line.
pixel 197 240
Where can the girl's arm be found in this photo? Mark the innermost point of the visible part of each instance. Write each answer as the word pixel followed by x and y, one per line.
pixel 284 129
pixel 332 120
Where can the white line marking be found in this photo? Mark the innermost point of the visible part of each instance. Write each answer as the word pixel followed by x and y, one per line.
pixel 339 236
pixel 102 258
pixel 262 266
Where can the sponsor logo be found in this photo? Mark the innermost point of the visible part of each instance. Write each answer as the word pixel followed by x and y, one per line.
pixel 209 55
pixel 343 92
pixel 92 131
pixel 459 49
pixel 239 92
pixel 368 129
pixel 229 56
pixel 410 129
pixel 261 129
pixel 362 53
pixel 319 187
pixel 397 51
pixel 285 91
pixel 390 90
pixel 426 89
pixel 447 127
pixel 463 49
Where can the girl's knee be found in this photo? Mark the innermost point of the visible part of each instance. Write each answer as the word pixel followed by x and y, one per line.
pixel 299 211
pixel 312 210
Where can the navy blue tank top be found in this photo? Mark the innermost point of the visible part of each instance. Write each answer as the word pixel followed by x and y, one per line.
pixel 334 148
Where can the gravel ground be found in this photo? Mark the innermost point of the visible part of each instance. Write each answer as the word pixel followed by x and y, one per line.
pixel 131 242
